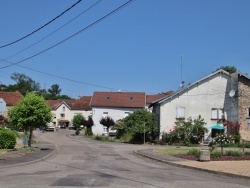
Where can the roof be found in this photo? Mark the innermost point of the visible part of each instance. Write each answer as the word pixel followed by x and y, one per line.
pixel 82 104
pixel 79 104
pixel 152 98
pixel 11 98
pixel 118 99
pixel 54 104
pixel 187 88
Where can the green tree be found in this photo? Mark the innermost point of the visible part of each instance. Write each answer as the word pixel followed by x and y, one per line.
pixel 229 69
pixel 107 121
pixel 141 123
pixel 77 120
pixel 31 112
pixel 191 130
pixel 55 90
pixel 24 84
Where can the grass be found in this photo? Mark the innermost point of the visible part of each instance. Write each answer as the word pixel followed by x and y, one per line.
pixel 172 151
pixel 3 151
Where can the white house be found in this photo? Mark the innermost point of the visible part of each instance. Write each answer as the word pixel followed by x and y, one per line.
pixel 63 111
pixel 208 97
pixel 117 105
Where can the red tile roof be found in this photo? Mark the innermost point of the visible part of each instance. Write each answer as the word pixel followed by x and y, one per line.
pixel 82 104
pixel 79 104
pixel 54 104
pixel 11 98
pixel 152 98
pixel 118 99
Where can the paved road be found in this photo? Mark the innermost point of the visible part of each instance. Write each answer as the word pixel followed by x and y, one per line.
pixel 86 163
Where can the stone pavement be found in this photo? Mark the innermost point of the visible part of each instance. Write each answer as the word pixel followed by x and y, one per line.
pixel 239 169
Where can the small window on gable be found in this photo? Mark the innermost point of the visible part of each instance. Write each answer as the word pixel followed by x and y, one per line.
pixel 180 112
pixel 63 108
pixel 105 114
pixel 217 113
pixel 131 98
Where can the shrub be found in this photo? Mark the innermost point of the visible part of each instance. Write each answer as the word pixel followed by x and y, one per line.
pixel 233 153
pixel 216 154
pixel 7 139
pixel 194 152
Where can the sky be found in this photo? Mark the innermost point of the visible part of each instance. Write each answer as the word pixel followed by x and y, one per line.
pixel 137 48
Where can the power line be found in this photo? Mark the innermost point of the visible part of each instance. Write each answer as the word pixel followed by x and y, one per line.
pixel 41 26
pixel 68 79
pixel 70 37
pixel 54 31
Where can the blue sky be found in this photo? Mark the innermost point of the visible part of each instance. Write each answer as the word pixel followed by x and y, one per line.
pixel 136 49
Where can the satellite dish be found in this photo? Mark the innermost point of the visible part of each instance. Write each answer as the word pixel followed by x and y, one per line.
pixel 232 93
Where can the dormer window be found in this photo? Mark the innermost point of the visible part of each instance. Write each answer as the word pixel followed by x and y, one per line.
pixel 131 98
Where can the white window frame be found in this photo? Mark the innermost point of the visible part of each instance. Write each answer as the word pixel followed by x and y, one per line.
pixel 180 112
pixel 217 113
pixel 105 114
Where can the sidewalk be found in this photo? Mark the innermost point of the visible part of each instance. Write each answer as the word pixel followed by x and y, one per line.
pixel 20 158
pixel 239 169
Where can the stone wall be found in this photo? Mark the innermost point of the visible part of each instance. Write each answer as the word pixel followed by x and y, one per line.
pixel 243 106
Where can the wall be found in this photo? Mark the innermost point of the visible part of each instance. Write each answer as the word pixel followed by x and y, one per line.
pixel 199 99
pixel 244 105
pixel 114 113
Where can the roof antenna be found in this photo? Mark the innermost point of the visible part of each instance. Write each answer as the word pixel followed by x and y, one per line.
pixel 182 82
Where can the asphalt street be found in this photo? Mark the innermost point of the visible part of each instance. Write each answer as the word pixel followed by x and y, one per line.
pixel 82 162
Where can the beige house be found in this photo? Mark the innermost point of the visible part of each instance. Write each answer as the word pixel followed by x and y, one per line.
pixel 63 111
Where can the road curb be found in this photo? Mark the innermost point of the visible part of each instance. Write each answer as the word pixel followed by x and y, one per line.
pixel 189 167
pixel 56 150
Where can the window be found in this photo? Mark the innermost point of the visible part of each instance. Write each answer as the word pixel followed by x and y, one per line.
pixel 105 130
pixel 217 113
pixel 126 114
pixel 108 98
pixel 63 108
pixel 131 98
pixel 62 115
pixel 105 114
pixel 248 113
pixel 180 112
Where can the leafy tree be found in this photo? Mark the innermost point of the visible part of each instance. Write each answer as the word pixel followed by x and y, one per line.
pixel 88 126
pixel 229 69
pixel 190 131
pixel 107 121
pixel 31 112
pixel 77 120
pixel 23 84
pixel 141 122
pixel 55 90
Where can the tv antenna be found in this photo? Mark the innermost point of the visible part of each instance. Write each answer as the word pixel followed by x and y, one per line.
pixel 182 82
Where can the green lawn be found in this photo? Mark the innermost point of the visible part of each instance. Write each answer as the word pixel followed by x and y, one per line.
pixel 172 151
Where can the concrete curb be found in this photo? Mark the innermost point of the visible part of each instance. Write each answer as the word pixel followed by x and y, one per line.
pixel 189 167
pixel 34 161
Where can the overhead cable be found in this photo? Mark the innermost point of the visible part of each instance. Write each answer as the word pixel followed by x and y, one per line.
pixel 70 37
pixel 41 26
pixel 54 31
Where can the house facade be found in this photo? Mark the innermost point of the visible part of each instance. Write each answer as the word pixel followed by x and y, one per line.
pixel 63 111
pixel 208 97
pixel 116 105
pixel 11 99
